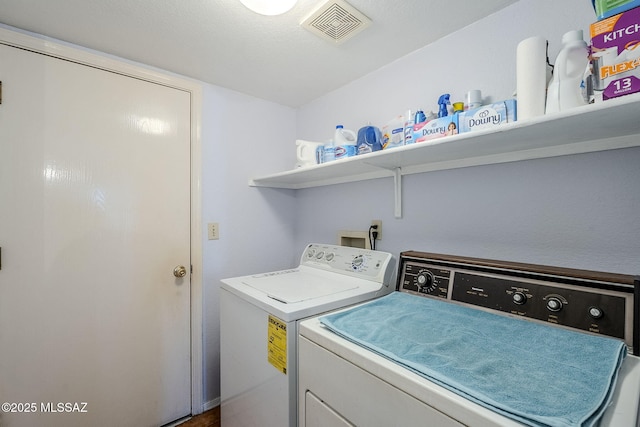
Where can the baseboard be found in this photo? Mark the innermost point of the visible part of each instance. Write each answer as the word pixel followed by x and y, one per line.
pixel 211 404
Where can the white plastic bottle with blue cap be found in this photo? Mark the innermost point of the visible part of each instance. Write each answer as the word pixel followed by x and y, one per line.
pixel 345 142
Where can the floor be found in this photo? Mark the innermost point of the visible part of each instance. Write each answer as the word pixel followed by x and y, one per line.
pixel 210 418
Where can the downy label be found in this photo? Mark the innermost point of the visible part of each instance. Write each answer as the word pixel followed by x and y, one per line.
pixel 488 116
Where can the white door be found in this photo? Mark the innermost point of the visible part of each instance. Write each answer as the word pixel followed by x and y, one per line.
pixel 94 216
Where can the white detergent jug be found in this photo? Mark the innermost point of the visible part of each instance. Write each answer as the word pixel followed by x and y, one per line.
pixel 345 142
pixel 308 153
pixel 566 88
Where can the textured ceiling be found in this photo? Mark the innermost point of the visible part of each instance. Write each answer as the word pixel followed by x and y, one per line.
pixel 223 43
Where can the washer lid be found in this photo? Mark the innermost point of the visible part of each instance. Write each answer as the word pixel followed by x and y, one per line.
pixel 292 286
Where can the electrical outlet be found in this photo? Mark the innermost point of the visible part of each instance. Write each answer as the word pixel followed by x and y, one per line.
pixel 378 222
pixel 213 231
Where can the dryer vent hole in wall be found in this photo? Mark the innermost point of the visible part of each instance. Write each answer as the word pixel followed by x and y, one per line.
pixel 354 239
pixel 362 239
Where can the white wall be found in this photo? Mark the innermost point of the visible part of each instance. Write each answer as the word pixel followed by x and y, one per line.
pixel 242 137
pixel 578 211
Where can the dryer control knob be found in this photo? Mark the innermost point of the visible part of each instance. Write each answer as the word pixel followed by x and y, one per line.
pixel 519 298
pixel 426 282
pixel 596 312
pixel 554 304
pixel 423 279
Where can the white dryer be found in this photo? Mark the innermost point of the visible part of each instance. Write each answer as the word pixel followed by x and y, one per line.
pixel 259 316
pixel 480 343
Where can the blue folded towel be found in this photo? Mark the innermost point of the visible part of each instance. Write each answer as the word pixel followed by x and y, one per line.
pixel 536 374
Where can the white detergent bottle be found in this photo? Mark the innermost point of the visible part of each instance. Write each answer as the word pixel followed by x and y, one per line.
pixel 565 89
pixel 345 142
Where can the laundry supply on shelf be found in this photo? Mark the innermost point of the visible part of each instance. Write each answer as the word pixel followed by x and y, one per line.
pixel 436 128
pixel 420 117
pixel 473 99
pixel 567 88
pixel 607 8
pixel 369 139
pixel 443 105
pixel 345 143
pixel 615 55
pixel 328 152
pixel 308 153
pixel 393 133
pixel 409 121
pixel 488 116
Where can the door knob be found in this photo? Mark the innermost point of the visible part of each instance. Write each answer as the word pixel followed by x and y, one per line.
pixel 180 271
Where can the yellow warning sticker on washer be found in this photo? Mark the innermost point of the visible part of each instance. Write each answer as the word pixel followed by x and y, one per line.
pixel 277 346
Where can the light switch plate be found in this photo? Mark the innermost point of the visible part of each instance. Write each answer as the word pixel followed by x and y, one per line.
pixel 213 231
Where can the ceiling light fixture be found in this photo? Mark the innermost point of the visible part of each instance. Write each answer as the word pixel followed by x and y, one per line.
pixel 269 7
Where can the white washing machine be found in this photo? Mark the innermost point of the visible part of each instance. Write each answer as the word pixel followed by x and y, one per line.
pixel 259 317
pixel 480 343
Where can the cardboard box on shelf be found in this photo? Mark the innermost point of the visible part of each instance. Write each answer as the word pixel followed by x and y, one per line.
pixel 436 128
pixel 607 8
pixel 488 116
pixel 615 54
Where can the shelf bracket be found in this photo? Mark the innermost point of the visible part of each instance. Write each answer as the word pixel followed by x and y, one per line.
pixel 397 184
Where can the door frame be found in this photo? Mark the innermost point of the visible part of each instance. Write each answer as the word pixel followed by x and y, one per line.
pixel 36 43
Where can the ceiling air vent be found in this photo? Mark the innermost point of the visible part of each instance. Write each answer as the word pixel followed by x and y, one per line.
pixel 336 21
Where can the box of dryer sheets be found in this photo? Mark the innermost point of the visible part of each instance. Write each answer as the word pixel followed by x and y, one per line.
pixel 436 128
pixel 615 54
pixel 488 116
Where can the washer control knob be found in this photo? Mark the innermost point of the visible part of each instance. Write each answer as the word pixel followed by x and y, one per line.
pixel 554 304
pixel 596 312
pixel 329 256
pixel 519 298
pixel 357 262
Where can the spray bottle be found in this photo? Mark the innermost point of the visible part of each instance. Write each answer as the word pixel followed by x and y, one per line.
pixel 443 103
pixel 408 128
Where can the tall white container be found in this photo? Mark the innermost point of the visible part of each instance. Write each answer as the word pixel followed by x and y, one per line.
pixel 566 88
pixel 532 77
